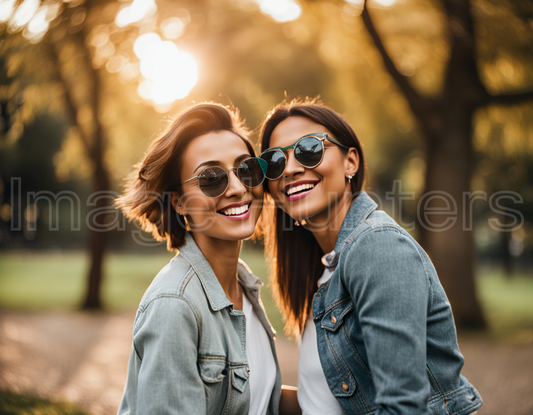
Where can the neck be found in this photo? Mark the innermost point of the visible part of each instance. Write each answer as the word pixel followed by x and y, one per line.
pixel 325 227
pixel 223 256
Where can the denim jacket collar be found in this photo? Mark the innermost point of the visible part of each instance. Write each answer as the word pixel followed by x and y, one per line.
pixel 362 206
pixel 213 290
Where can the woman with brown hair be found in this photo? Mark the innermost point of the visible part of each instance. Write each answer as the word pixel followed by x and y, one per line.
pixel 202 343
pixel 376 331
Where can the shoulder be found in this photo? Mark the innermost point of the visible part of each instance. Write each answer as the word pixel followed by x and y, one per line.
pixel 176 280
pixel 378 228
pixel 380 245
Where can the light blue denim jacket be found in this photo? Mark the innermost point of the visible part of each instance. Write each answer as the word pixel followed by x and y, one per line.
pixel 385 331
pixel 189 344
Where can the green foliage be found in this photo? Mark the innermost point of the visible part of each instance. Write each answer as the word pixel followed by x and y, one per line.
pixel 23 404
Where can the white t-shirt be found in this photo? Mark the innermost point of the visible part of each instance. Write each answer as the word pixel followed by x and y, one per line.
pixel 314 395
pixel 260 360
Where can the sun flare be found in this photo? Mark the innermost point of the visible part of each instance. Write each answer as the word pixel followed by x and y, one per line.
pixel 169 73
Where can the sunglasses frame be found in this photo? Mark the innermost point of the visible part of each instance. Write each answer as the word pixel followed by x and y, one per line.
pixel 262 163
pixel 319 136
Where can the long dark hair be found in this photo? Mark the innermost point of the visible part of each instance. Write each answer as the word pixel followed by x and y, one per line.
pixel 293 252
pixel 146 198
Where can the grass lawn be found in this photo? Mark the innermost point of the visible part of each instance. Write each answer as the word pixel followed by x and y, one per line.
pixel 17 404
pixel 44 281
pixel 508 304
pixel 35 280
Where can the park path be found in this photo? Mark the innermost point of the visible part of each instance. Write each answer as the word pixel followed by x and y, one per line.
pixel 82 357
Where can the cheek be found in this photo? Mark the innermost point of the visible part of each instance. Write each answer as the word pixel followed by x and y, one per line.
pixel 334 166
pixel 198 204
pixel 332 176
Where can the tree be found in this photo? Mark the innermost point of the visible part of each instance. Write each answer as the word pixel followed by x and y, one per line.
pixel 446 122
pixel 73 65
pixel 66 62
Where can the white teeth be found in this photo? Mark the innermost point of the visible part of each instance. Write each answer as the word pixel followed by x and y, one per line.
pixel 236 211
pixel 299 188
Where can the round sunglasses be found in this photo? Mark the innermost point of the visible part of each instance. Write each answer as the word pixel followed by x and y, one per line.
pixel 214 181
pixel 307 150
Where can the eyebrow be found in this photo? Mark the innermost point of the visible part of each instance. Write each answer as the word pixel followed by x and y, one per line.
pixel 241 158
pixel 219 163
pixel 205 163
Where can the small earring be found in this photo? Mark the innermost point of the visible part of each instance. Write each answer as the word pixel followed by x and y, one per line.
pixel 304 222
pixel 186 223
pixel 297 223
pixel 350 178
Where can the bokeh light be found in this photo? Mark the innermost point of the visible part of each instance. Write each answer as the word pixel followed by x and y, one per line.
pixel 38 23
pixel 172 28
pixel 281 10
pixel 169 73
pixel 24 13
pixel 134 12
pixel 385 3
pixel 31 17
pixel 6 10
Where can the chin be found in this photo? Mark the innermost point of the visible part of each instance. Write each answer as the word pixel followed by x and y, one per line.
pixel 300 213
pixel 237 233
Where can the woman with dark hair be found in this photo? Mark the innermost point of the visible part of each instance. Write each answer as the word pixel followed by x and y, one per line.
pixel 202 343
pixel 376 330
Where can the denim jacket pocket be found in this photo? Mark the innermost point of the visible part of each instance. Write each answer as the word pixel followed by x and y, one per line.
pixel 239 377
pixel 214 373
pixel 334 317
pixel 213 369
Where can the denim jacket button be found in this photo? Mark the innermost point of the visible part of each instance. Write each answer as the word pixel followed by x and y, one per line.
pixel 334 320
pixel 344 386
pixel 247 369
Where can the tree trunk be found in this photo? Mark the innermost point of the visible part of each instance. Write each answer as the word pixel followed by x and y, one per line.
pixel 97 244
pixel 450 245
pixel 446 123
pixel 98 236
pixel 95 147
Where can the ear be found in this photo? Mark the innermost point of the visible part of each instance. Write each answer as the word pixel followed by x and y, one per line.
pixel 177 203
pixel 351 162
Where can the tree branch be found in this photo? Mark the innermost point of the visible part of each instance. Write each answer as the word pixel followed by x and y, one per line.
pixel 70 105
pixel 508 99
pixel 417 103
pixel 462 75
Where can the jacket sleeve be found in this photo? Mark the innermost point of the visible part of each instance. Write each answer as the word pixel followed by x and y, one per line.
pixel 386 278
pixel 166 343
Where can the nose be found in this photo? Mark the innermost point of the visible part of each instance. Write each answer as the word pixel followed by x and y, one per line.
pixel 293 167
pixel 235 186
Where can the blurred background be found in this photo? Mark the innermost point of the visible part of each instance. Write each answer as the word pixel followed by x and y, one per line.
pixel 440 92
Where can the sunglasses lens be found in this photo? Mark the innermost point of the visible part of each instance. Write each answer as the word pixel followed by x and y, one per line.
pixel 309 151
pixel 276 163
pixel 251 172
pixel 213 181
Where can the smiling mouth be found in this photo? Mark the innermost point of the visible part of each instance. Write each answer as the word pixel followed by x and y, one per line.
pixel 299 189
pixel 235 211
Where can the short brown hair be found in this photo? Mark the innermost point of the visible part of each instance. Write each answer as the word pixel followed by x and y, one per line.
pixel 293 251
pixel 146 198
